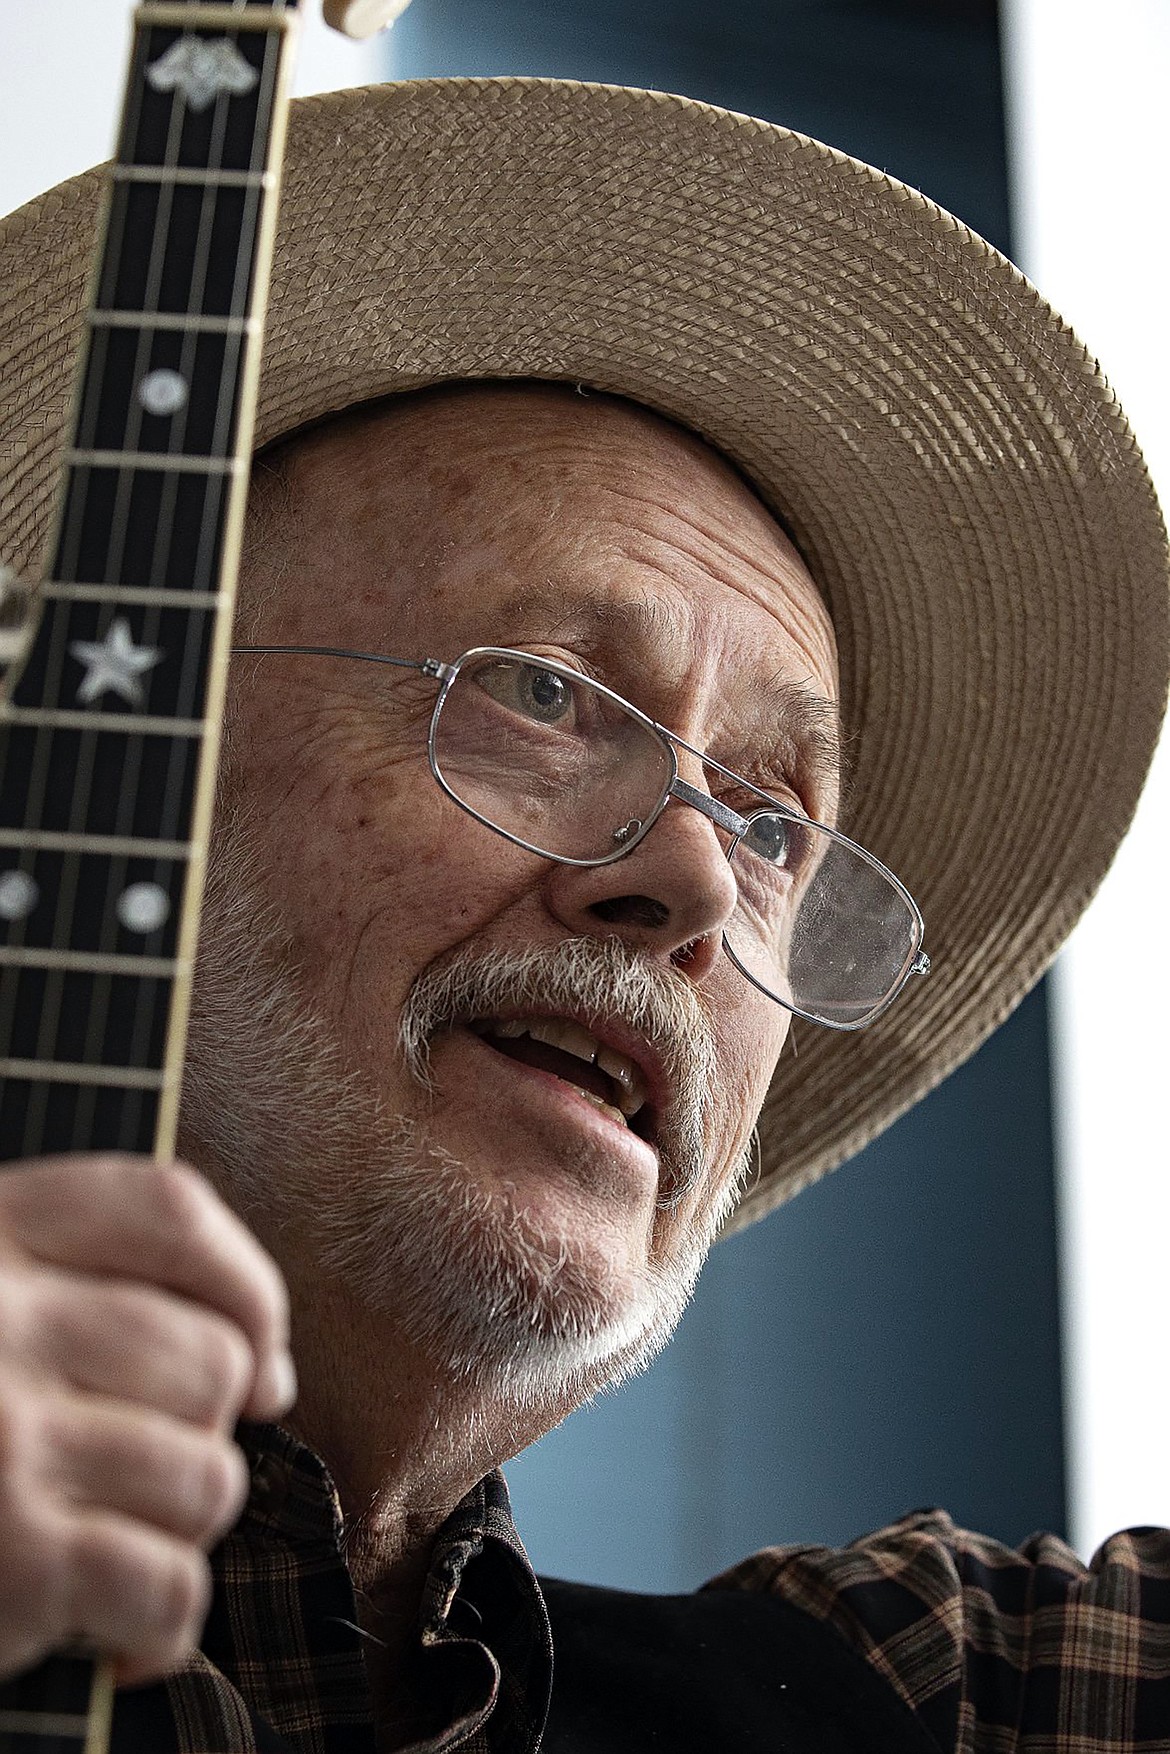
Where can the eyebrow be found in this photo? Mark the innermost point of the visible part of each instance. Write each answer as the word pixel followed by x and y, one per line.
pixel 808 741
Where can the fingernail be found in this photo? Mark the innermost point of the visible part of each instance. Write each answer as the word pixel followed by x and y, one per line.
pixel 283 1379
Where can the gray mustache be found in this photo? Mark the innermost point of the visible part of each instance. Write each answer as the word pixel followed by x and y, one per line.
pixel 593 978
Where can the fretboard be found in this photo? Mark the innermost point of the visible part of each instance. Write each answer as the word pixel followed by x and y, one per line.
pixel 109 736
pixel 106 770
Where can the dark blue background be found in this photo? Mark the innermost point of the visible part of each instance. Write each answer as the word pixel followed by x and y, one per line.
pixel 890 1339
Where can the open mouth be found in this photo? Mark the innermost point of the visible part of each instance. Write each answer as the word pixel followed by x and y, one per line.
pixel 609 1079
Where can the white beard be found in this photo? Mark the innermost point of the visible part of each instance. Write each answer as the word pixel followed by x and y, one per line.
pixel 295 1135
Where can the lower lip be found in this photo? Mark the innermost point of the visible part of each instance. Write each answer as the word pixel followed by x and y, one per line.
pixel 531 1082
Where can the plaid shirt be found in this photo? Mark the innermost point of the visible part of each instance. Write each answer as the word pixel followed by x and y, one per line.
pixel 993 1651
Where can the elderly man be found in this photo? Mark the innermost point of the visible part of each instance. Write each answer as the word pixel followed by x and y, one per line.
pixel 527 858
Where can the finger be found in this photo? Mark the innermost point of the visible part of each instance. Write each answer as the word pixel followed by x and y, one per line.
pixel 162 1223
pixel 134 1343
pixel 135 1593
pixel 97 1579
pixel 107 1456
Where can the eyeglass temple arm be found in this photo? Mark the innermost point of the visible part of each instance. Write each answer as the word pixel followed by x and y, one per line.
pixel 429 666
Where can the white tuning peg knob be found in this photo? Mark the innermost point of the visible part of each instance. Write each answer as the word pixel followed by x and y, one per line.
pixel 363 18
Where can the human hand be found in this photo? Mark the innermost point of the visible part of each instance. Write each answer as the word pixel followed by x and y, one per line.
pixel 139 1319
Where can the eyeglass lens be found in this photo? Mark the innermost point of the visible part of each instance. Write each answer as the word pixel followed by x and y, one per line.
pixel 556 762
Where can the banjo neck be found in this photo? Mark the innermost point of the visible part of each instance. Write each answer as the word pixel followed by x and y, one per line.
pixel 110 728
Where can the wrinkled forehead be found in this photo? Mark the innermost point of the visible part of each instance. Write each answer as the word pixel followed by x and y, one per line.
pixel 546 517
pixel 516 463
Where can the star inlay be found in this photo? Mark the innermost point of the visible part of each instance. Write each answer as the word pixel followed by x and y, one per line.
pixel 201 70
pixel 114 664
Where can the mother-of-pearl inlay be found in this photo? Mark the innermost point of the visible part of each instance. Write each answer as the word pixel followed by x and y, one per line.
pixel 163 391
pixel 201 70
pixel 143 907
pixel 114 664
pixel 18 895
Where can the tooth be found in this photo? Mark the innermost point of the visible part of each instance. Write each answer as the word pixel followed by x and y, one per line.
pixel 575 1040
pixel 599 1102
pixel 568 1036
pixel 625 1074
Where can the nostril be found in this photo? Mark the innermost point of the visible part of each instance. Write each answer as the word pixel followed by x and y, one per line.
pixel 632 910
pixel 686 953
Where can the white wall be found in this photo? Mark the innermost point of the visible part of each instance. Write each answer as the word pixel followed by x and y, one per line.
pixel 62 65
pixel 1088 88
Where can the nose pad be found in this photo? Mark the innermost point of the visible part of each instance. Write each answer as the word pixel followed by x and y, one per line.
pixel 674 892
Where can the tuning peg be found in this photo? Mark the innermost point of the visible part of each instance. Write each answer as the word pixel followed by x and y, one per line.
pixel 363 18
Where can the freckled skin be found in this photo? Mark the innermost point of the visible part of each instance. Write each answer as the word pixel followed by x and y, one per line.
pixel 496 516
pixel 417 529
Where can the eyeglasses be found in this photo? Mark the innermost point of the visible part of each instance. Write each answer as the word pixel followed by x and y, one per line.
pixel 565 767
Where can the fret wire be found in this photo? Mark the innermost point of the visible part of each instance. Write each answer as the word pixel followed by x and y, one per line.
pixel 161 460
pixel 38 781
pixel 209 503
pixel 42 1723
pixel 275 86
pixel 97 1019
pixel 145 1014
pixel 145 725
pixel 90 961
pixel 80 593
pixel 121 513
pixel 208 204
pixel 116 319
pixel 47 1046
pixel 43 840
pixel 162 216
pixel 192 326
pixel 214 18
pixel 227 395
pixel 122 1117
pixel 212 517
pixel 64 1072
pixel 113 1020
pixel 225 179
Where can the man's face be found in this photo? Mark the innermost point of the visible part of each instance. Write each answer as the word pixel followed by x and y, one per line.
pixel 587 532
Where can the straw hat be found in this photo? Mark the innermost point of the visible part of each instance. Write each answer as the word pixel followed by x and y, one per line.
pixel 949 460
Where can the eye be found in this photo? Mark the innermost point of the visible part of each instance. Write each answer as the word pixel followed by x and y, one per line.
pixel 545 694
pixel 769 837
pixel 541 695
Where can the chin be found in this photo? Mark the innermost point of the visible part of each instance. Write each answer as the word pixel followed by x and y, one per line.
pixel 483 1285
pixel 516 1290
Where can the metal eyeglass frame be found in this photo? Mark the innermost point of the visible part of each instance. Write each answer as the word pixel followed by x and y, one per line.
pixel 718 813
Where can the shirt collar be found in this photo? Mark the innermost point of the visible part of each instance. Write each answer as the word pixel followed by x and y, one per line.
pixel 283 1629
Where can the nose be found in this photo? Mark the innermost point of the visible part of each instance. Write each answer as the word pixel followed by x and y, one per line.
pixel 672 895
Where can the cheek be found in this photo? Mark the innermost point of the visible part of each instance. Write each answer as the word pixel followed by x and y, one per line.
pixel 746 1062
pixel 396 876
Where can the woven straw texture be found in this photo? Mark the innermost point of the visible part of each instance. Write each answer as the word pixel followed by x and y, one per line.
pixel 949 460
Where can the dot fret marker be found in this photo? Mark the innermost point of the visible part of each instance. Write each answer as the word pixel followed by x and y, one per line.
pixel 143 907
pixel 163 391
pixel 18 895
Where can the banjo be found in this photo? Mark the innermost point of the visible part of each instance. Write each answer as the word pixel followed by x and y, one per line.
pixel 109 726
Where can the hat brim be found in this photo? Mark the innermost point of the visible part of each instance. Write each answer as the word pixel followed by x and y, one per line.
pixel 951 463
